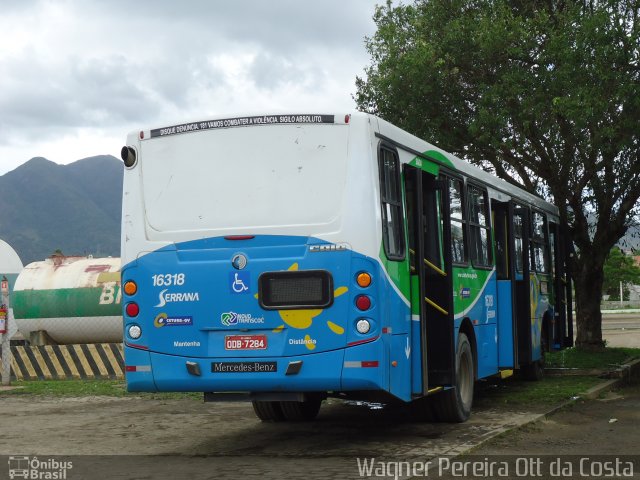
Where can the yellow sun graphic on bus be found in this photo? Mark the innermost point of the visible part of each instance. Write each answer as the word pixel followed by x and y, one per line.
pixel 303 319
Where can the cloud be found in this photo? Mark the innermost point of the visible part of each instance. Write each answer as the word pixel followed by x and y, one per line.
pixel 112 67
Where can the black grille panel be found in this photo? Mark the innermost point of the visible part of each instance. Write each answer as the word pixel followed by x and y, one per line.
pixel 295 290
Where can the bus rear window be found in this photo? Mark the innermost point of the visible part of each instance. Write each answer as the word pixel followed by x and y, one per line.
pixel 245 178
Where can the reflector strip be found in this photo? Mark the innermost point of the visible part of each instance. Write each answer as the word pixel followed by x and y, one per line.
pixel 137 368
pixel 365 364
pixel 360 342
pixel 386 330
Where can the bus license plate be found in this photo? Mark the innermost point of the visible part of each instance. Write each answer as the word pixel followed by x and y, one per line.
pixel 245 342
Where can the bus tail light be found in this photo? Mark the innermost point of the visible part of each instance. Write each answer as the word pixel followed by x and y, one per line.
pixel 363 279
pixel 363 326
pixel 239 237
pixel 130 288
pixel 363 302
pixel 132 309
pixel 134 331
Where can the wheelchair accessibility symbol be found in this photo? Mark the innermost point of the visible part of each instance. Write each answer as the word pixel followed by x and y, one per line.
pixel 239 282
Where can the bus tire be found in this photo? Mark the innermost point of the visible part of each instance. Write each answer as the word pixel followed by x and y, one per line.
pixel 421 410
pixel 454 405
pixel 534 372
pixel 268 411
pixel 301 411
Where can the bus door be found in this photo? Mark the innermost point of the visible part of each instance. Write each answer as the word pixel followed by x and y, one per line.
pixel 502 213
pixel 562 332
pixel 432 302
pixel 519 247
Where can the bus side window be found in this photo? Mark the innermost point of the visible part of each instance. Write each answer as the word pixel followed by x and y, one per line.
pixel 390 195
pixel 479 226
pixel 458 230
pixel 517 233
pixel 539 243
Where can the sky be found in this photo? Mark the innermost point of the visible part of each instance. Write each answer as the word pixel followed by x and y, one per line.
pixel 78 75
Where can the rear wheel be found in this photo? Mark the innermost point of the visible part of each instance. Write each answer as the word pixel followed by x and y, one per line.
pixel 301 411
pixel 454 405
pixel 421 410
pixel 534 372
pixel 268 411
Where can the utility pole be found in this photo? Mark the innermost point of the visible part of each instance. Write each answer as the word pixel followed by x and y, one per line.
pixel 621 293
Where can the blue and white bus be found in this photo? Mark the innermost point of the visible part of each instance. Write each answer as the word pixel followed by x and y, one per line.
pixel 283 259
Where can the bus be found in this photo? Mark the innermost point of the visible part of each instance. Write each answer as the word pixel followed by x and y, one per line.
pixel 284 259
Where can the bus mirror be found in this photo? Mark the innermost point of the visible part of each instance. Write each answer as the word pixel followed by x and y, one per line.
pixel 128 155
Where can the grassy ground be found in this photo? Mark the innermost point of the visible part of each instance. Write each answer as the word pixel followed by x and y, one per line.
pixel 83 388
pixel 574 358
pixel 512 391
pixel 549 391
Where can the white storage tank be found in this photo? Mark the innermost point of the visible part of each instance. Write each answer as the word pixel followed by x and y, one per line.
pixel 72 299
pixel 10 264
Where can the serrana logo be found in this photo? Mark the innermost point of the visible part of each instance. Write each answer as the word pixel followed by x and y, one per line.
pixel 165 297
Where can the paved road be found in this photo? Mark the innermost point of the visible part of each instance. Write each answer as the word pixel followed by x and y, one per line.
pixel 621 330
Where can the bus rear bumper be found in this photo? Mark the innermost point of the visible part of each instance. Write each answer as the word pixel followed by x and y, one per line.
pixel 353 368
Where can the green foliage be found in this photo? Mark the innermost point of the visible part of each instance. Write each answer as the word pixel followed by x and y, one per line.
pixel 619 268
pixel 545 94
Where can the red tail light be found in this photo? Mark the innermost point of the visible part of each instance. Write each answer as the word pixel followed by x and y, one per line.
pixel 132 309
pixel 363 302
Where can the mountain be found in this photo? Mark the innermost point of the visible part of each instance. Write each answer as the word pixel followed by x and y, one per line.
pixel 75 208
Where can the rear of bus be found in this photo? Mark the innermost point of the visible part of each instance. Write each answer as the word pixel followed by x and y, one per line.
pixel 250 253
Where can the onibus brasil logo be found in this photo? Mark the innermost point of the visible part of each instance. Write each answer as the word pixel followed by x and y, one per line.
pixel 32 467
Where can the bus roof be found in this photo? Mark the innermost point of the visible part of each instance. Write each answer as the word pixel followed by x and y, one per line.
pixel 401 138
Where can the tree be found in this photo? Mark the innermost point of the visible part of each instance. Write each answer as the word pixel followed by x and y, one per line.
pixel 619 268
pixel 543 93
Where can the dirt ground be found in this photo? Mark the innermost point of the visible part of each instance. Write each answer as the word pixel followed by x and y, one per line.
pixel 606 426
pixel 108 437
pixel 135 438
pixel 184 438
pixel 579 438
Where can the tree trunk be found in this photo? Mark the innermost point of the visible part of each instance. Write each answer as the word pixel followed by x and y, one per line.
pixel 588 278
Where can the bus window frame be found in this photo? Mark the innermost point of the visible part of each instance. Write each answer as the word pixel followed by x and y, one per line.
pixel 398 204
pixel 446 176
pixel 484 191
pixel 535 241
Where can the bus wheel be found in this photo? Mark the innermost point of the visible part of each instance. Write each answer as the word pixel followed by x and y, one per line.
pixel 421 410
pixel 534 372
pixel 268 411
pixel 301 411
pixel 454 405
